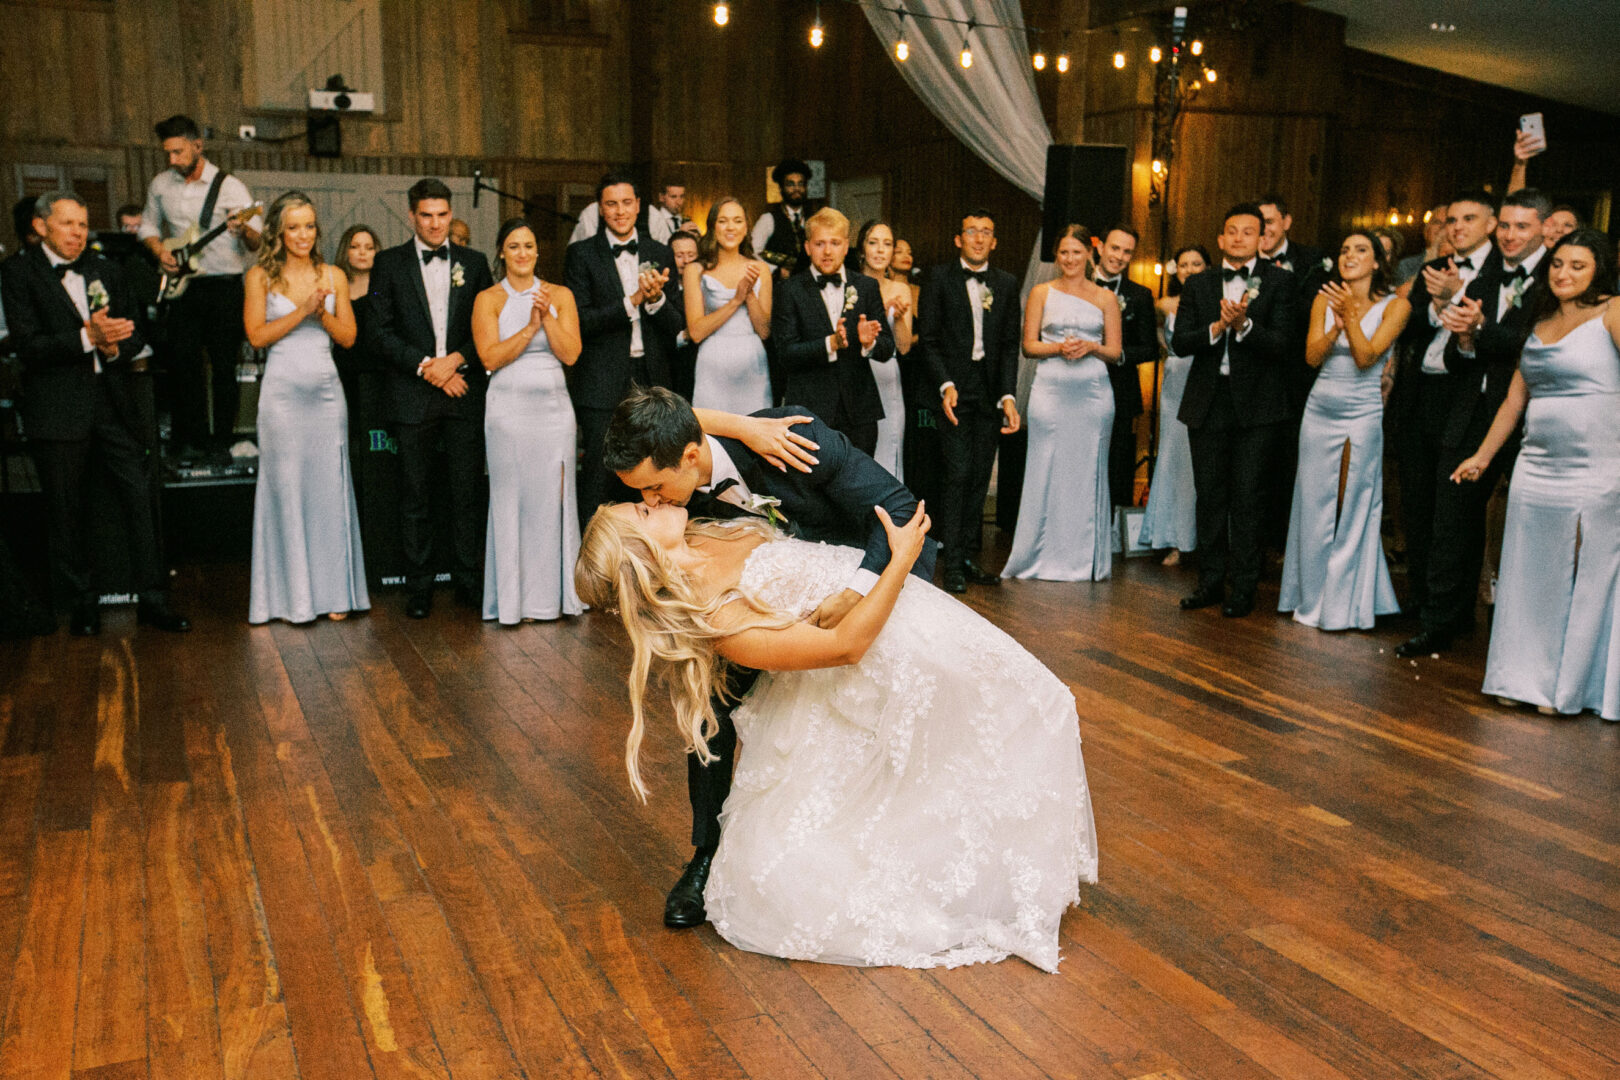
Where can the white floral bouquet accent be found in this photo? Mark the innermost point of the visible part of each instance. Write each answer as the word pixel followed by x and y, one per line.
pixel 1253 290
pixel 1327 263
pixel 1517 290
pixel 96 293
pixel 648 268
pixel 850 297
pixel 1122 304
pixel 458 275
pixel 986 297
pixel 767 507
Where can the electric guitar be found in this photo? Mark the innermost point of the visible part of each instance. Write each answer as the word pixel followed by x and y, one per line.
pixel 187 249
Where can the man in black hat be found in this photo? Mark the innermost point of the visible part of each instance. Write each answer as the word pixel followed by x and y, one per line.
pixel 779 232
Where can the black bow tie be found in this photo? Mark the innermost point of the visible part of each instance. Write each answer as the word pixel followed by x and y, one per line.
pixel 1518 273
pixel 723 486
pixel 975 275
pixel 1465 264
pixel 1227 273
pixel 63 269
pixel 824 280
pixel 1109 282
pixel 440 252
pixel 631 246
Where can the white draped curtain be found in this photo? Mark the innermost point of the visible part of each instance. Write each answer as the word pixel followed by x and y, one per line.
pixel 992 106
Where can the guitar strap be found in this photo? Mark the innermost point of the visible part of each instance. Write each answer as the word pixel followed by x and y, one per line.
pixel 211 198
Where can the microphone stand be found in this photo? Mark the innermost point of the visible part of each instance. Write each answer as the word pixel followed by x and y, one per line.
pixel 480 185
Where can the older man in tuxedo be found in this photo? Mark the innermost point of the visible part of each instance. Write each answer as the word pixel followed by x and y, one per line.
pixel 630 313
pixel 1237 323
pixel 87 399
pixel 421 330
pixel 970 333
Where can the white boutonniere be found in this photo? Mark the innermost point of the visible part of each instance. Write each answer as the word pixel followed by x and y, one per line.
pixel 1517 290
pixel 986 297
pixel 766 506
pixel 1327 263
pixel 96 293
pixel 458 275
pixel 648 268
pixel 1253 289
pixel 850 297
pixel 1122 304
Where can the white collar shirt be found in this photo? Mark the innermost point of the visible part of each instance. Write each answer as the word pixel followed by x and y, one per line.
pixel 78 291
pixel 174 204
pixel 721 469
pixel 975 291
pixel 1434 359
pixel 1505 294
pixel 1233 289
pixel 629 267
pixel 436 279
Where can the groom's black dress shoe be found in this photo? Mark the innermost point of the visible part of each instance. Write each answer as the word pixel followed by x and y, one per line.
pixel 955 581
pixel 684 908
pixel 418 605
pixel 1238 606
pixel 1202 598
pixel 1424 644
pixel 160 616
pixel 976 575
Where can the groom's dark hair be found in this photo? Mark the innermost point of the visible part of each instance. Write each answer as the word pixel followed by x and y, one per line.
pixel 651 422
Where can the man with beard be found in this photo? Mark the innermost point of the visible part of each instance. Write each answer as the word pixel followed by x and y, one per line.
pixel 779 231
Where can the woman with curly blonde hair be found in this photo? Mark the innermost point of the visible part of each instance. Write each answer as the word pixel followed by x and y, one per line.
pixel 909 790
pixel 306 530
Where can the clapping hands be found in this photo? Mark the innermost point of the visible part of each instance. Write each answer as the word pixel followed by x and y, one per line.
pixel 651 288
pixel 1442 284
pixel 106 332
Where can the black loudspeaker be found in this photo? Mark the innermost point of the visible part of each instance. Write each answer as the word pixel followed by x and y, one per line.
pixel 1085 185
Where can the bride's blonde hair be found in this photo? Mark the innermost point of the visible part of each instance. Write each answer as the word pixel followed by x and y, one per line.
pixel 669 621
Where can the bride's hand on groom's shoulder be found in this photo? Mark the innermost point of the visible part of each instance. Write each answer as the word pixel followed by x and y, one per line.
pixel 774 439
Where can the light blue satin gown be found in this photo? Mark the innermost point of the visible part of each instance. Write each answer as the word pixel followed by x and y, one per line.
pixel 307 559
pixel 891 450
pixel 1063 522
pixel 1334 575
pixel 731 372
pixel 533 536
pixel 1555 638
pixel 1171 518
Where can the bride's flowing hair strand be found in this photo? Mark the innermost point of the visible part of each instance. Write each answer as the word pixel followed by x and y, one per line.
pixel 668 621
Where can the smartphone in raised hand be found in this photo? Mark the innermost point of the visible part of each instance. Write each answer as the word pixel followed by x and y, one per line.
pixel 1533 125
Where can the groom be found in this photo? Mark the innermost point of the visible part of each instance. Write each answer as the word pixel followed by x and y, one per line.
pixel 656 445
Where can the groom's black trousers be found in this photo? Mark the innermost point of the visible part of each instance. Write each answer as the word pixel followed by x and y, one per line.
pixel 708 785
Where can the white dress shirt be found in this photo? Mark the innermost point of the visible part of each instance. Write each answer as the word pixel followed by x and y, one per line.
pixel 436 280
pixel 975 292
pixel 765 227
pixel 1468 266
pixel 173 206
pixel 722 468
pixel 662 224
pixel 78 292
pixel 629 268
pixel 590 222
pixel 832 298
pixel 1504 295
pixel 1233 290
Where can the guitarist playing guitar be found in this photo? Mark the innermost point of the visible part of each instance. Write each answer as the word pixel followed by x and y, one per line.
pixel 193 196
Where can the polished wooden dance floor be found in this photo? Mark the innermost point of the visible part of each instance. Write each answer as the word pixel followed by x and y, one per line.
pixel 408 850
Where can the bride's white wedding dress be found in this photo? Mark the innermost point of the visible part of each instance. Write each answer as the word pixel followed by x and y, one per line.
pixel 925 807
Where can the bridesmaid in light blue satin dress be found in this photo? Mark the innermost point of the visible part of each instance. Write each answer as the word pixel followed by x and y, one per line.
pixel 1334 574
pixel 1171 518
pixel 1555 638
pixel 526 330
pixel 728 315
pixel 1072 329
pixel 874 252
pixel 307 558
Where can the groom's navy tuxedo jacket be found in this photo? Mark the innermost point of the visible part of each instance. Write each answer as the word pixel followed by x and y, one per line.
pixel 833 501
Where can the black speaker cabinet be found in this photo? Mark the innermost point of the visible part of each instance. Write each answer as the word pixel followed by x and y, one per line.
pixel 1085 185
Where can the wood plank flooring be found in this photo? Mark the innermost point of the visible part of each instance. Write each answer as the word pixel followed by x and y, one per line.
pixel 408 850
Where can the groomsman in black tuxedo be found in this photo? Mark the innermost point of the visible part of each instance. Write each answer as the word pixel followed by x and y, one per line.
pixel 421 329
pixel 827 326
pixel 1140 326
pixel 1237 323
pixel 970 333
pixel 683 366
pixel 1488 327
pixel 87 403
pixel 630 311
pixel 1420 403
pixel 657 447
pixel 779 234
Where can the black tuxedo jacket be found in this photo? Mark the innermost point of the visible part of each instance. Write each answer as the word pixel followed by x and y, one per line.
pixel 946 333
pixel 1304 262
pixel 401 332
pixel 841 390
pixel 59 376
pixel 1481 381
pixel 1139 329
pixel 605 368
pixel 1414 343
pixel 832 502
pixel 1258 363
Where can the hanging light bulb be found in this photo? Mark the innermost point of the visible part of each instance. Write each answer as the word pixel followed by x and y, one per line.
pixel 1394 217
pixel 1119 60
pixel 1197 47
pixel 1409 219
pixel 1155 54
pixel 1209 75
pixel 816 35
pixel 967 47
pixel 1158 167
pixel 1063 63
pixel 902 51
pixel 1158 269
pixel 1039 60
pixel 722 14
pixel 1428 216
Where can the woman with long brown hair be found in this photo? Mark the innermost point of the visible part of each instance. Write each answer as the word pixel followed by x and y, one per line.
pixel 728 315
pixel 307 559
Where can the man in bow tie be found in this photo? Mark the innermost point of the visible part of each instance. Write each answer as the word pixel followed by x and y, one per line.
pixel 827 326
pixel 421 329
pixel 970 329
pixel 1237 323
pixel 1139 325
pixel 1420 402
pixel 630 312
pixel 1487 324
pixel 666 218
pixel 87 403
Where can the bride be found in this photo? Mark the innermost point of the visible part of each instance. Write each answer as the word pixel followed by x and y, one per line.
pixel 910 789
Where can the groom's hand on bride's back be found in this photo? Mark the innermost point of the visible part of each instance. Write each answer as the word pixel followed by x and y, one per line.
pixel 834 608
